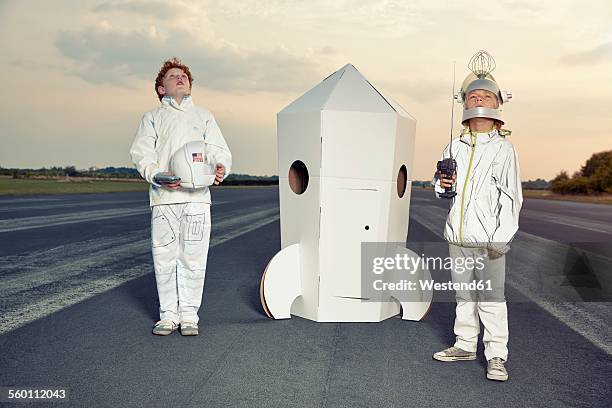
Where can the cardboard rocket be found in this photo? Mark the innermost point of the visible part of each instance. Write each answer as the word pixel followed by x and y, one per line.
pixel 345 155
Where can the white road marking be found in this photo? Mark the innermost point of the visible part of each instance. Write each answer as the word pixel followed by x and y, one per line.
pixel 20 224
pixel 41 221
pixel 67 204
pixel 60 267
pixel 28 200
pixel 22 273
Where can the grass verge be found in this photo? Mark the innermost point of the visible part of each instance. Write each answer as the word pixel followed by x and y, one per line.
pixel 10 186
pixel 549 195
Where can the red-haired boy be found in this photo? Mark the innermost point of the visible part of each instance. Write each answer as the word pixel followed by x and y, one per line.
pixel 180 219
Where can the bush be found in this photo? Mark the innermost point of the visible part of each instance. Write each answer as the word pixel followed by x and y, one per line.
pixel 572 186
pixel 596 162
pixel 594 177
pixel 601 180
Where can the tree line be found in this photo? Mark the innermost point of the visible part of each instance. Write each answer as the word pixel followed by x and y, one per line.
pixel 594 177
pixel 71 171
pixel 119 173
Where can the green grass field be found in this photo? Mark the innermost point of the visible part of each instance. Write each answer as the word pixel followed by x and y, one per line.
pixel 549 195
pixel 10 186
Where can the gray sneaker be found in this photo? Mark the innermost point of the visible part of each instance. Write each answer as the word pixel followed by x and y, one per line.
pixel 496 370
pixel 164 327
pixel 454 354
pixel 189 328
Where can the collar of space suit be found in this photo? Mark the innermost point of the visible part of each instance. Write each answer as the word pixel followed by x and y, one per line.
pixel 479 137
pixel 185 103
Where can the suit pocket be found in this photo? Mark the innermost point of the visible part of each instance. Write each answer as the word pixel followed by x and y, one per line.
pixel 197 222
pixel 195 227
pixel 162 233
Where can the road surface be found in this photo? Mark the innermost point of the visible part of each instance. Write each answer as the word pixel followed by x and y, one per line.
pixel 78 300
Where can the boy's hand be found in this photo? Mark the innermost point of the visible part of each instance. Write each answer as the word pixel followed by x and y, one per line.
pixel 219 173
pixel 171 186
pixel 493 254
pixel 446 183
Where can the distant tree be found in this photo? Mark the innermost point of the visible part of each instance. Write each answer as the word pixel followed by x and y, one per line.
pixel 537 184
pixel 70 171
pixel 601 179
pixel 562 176
pixel 594 177
pixel 597 160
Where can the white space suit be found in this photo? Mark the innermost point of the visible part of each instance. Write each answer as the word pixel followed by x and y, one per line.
pixel 180 219
pixel 484 216
pixel 489 194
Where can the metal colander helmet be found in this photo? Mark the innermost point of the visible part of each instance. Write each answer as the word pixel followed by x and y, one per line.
pixel 482 64
pixel 191 165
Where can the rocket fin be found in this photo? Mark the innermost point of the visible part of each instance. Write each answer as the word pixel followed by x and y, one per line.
pixel 418 303
pixel 281 283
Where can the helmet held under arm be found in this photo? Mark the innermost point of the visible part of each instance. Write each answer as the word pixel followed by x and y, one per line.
pixel 191 165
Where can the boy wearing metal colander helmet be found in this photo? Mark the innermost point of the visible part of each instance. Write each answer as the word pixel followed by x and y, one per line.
pixel 180 217
pixel 483 217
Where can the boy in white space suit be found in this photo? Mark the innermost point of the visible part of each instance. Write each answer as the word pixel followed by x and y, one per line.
pixel 180 219
pixel 482 221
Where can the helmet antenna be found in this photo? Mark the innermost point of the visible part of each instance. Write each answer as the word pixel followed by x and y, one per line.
pixel 481 64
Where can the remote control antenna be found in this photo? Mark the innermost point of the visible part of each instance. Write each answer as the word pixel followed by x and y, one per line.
pixel 450 147
pixel 448 166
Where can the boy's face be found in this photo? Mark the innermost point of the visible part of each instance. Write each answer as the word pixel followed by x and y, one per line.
pixel 175 84
pixel 481 98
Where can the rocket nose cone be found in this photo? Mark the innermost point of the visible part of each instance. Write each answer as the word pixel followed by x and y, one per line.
pixel 348 66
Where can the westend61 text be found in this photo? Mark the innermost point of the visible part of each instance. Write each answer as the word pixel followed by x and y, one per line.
pixel 406 285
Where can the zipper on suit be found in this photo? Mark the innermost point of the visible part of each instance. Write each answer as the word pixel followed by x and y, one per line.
pixel 467 179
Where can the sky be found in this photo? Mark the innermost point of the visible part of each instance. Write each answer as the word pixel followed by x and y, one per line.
pixel 78 76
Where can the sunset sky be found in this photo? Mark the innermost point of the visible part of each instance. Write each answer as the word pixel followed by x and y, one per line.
pixel 77 76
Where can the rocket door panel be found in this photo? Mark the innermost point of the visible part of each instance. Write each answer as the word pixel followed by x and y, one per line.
pixel 350 217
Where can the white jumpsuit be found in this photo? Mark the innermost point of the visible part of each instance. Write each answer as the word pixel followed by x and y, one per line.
pixel 484 215
pixel 180 219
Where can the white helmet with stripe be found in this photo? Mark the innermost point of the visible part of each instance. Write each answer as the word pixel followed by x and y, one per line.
pixel 191 165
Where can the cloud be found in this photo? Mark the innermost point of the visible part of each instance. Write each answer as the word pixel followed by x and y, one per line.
pixel 157 8
pixel 600 53
pixel 419 90
pixel 327 50
pixel 521 6
pixel 107 54
pixel 380 18
pixel 27 63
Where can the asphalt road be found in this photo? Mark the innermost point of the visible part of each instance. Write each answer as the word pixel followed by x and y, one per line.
pixel 78 299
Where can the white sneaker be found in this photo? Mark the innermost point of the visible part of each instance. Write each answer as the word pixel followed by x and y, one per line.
pixel 454 354
pixel 189 328
pixel 164 327
pixel 496 370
